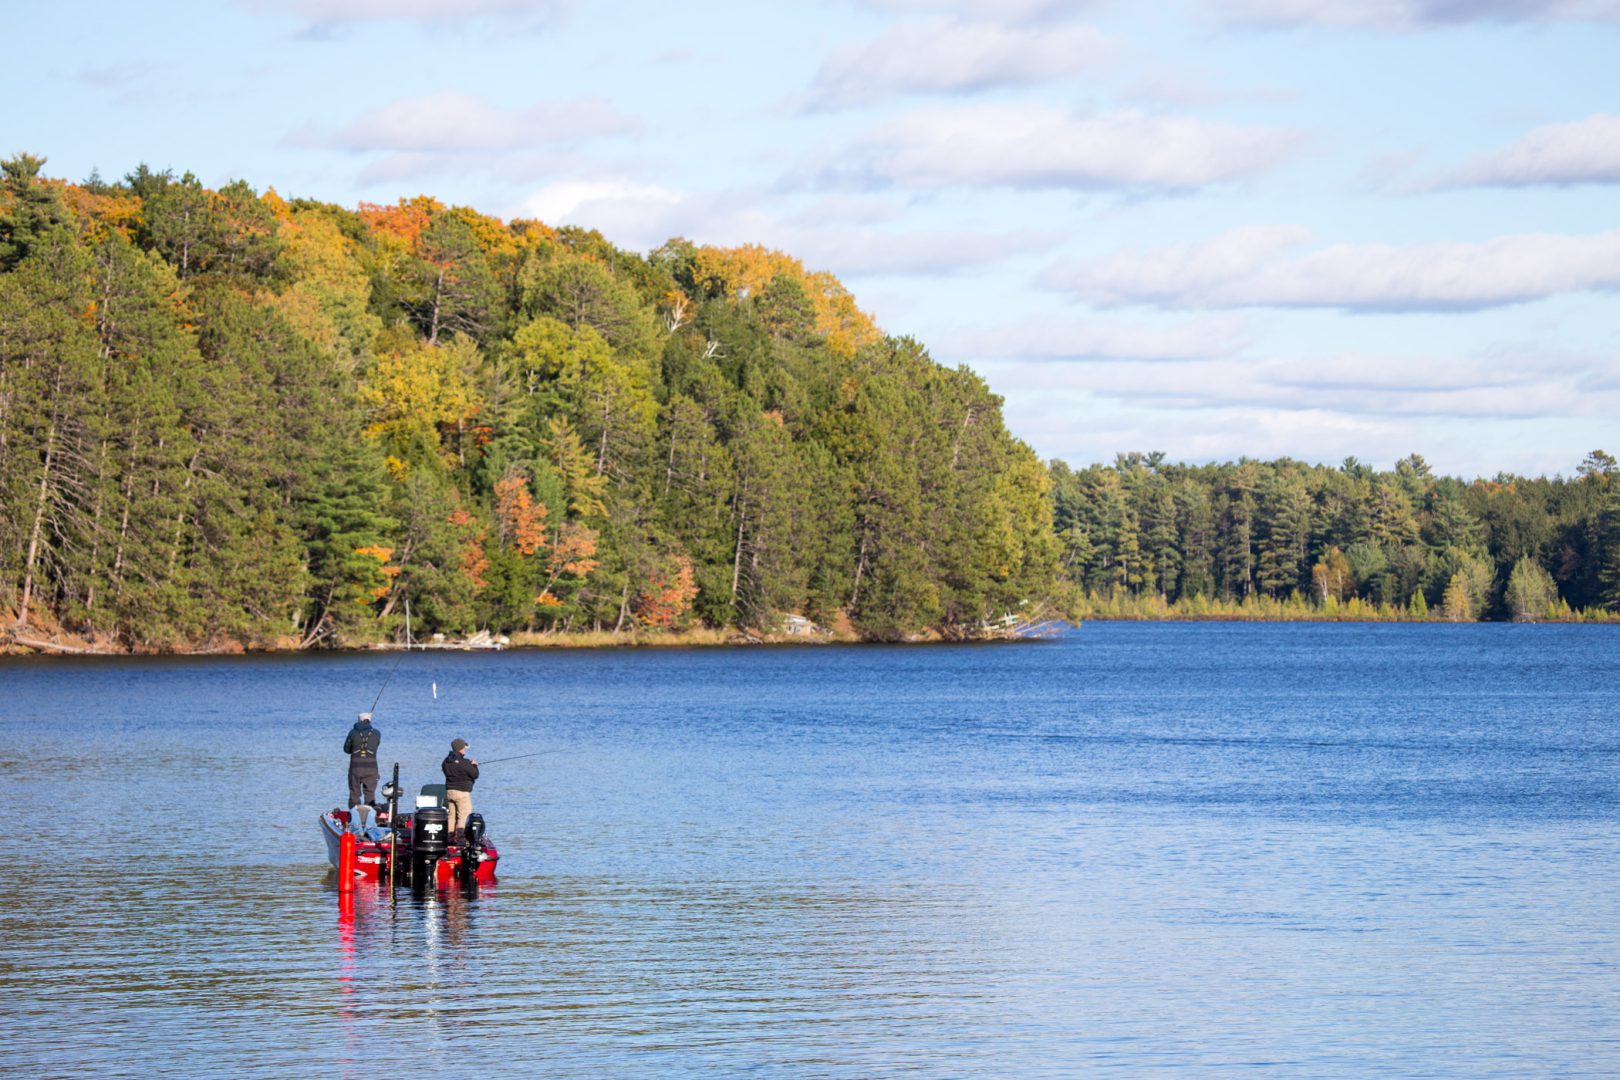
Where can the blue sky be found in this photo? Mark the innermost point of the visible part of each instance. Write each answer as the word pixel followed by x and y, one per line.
pixel 1214 228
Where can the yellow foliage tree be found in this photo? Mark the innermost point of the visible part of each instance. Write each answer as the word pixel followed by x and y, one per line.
pixel 741 272
pixel 1331 576
pixel 328 303
pixel 416 392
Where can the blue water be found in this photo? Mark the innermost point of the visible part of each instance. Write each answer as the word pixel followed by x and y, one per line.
pixel 1302 850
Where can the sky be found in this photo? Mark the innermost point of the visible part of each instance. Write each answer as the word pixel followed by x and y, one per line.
pixel 1211 228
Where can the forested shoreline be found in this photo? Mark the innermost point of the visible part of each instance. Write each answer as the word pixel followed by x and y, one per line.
pixel 234 420
pixel 227 418
pixel 1144 538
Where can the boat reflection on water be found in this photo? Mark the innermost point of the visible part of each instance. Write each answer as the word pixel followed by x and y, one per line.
pixel 406 957
pixel 347 977
pixel 450 911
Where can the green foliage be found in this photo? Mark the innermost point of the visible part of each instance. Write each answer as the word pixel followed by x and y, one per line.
pixel 447 285
pixel 1403 540
pixel 227 416
pixel 31 209
pixel 1530 590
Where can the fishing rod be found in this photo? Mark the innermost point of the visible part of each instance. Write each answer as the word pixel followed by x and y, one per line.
pixel 518 757
pixel 386 681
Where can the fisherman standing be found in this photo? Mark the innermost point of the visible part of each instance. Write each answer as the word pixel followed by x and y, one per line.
pixel 361 746
pixel 460 773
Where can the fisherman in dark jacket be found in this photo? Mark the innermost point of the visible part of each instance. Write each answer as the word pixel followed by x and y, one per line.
pixel 460 773
pixel 361 746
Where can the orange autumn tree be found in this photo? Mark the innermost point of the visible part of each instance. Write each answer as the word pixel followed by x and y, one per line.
pixel 389 573
pixel 402 223
pixel 667 597
pixel 569 562
pixel 474 562
pixel 521 520
pixel 99 215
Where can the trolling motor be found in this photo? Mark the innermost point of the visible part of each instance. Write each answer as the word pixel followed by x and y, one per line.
pixel 472 848
pixel 390 792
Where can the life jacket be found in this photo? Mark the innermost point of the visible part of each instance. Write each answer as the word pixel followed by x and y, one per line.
pixel 362 744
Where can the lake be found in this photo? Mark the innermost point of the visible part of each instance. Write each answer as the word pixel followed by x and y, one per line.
pixel 1291 850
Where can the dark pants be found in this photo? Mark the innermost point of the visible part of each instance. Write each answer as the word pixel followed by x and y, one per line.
pixel 362 782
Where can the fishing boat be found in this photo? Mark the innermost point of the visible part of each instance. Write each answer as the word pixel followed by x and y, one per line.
pixel 417 844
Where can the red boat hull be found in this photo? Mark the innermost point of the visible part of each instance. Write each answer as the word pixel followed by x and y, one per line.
pixel 371 854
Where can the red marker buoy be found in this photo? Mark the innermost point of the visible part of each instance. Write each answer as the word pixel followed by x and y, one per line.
pixel 346 863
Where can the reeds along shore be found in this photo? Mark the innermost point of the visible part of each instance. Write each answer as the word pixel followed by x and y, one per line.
pixel 1260 608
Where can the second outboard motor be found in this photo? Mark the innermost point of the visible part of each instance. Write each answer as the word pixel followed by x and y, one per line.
pixel 472 849
pixel 430 839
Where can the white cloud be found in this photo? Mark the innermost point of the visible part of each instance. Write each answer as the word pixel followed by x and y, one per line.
pixel 1043 147
pixel 1094 340
pixel 453 122
pixel 952 57
pixel 1249 268
pixel 849 210
pixel 569 202
pixel 1375 406
pixel 1183 86
pixel 864 252
pixel 1579 152
pixel 329 13
pixel 1363 385
pixel 1081 428
pixel 641 217
pixel 1411 14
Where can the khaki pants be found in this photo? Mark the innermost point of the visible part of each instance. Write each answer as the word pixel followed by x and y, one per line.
pixel 459 804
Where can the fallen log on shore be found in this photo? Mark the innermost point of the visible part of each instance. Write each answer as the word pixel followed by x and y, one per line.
pixel 49 646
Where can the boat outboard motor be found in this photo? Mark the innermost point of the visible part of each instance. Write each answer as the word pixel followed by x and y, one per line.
pixel 430 839
pixel 472 847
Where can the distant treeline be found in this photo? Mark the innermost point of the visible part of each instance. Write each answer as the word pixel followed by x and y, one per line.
pixel 231 417
pixel 1282 539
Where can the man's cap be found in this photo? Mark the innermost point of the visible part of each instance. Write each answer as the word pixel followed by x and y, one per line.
pixel 458 744
pixel 365 716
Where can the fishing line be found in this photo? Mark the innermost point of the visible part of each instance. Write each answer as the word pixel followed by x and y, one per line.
pixel 518 757
pixel 386 681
